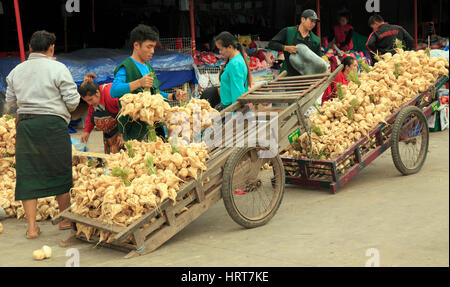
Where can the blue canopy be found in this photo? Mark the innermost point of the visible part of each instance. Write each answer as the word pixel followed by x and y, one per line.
pixel 172 69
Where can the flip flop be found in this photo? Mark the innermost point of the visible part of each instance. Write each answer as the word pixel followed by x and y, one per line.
pixel 66 227
pixel 39 233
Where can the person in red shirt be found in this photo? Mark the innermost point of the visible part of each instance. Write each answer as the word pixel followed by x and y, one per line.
pixel 343 33
pixel 350 64
pixel 102 113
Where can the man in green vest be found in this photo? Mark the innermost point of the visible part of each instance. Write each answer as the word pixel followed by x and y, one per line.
pixel 287 39
pixel 135 74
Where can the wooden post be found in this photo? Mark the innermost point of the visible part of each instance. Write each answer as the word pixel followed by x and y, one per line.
pixel 191 13
pixel 415 24
pixel 19 30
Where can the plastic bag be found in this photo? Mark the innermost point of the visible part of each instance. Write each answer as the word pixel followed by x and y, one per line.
pixel 444 118
pixel 79 146
pixel 306 62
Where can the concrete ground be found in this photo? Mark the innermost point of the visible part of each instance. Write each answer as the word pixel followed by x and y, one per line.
pixel 405 218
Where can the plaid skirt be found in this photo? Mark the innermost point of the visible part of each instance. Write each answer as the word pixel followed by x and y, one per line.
pixel 43 158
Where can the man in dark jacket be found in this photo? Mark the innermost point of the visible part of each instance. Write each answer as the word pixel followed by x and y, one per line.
pixel 383 37
pixel 287 39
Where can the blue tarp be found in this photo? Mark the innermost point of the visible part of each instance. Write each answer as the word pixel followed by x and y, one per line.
pixel 173 69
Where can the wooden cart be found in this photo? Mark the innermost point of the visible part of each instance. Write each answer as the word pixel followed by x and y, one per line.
pixel 406 133
pixel 252 187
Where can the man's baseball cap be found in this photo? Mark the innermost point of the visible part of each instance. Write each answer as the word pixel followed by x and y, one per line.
pixel 310 14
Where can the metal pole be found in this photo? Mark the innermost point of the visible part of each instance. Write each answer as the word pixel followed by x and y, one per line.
pixel 191 13
pixel 19 30
pixel 415 24
pixel 318 23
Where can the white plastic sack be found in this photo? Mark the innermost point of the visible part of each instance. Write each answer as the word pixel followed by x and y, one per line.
pixel 306 62
pixel 432 120
pixel 439 54
pixel 444 118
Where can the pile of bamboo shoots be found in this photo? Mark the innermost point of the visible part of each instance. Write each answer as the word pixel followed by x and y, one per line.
pixel 190 119
pixel 144 106
pixel 196 116
pixel 367 101
pixel 137 181
pixel 7 136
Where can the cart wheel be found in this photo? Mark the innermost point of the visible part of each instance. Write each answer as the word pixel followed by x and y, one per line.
pixel 409 140
pixel 252 187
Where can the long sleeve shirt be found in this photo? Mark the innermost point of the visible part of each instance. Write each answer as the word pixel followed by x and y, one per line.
pixel 106 103
pixel 343 36
pixel 331 91
pixel 41 85
pixel 233 82
pixel 281 39
pixel 120 85
pixel 382 40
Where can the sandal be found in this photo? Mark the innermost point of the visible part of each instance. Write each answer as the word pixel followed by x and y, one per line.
pixel 39 233
pixel 66 227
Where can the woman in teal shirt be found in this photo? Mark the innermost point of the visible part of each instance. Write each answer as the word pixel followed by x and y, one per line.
pixel 235 77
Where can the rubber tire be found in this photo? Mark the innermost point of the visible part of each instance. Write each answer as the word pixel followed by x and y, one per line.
pixel 227 193
pixel 402 115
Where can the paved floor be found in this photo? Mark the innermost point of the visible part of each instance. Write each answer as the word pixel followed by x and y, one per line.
pixel 405 218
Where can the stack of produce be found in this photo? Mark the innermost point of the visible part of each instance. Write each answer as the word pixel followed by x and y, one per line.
pixel 7 187
pixel 366 101
pixel 144 106
pixel 7 136
pixel 194 117
pixel 136 182
pixel 7 167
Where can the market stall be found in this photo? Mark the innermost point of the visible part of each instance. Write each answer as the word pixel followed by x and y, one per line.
pixel 139 198
pixel 208 66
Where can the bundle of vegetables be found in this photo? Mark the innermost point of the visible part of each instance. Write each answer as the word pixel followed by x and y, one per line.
pixel 144 106
pixel 7 186
pixel 185 161
pixel 7 165
pixel 368 100
pixel 196 116
pixel 137 181
pixel 7 136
